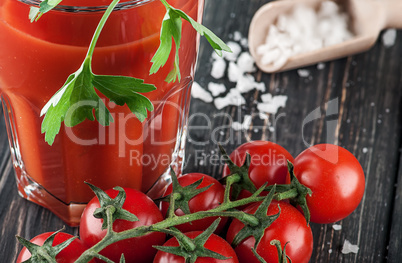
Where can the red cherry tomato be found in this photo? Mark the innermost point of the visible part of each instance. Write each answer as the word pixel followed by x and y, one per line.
pixel 268 163
pixel 290 227
pixel 68 255
pixel 335 178
pixel 214 243
pixel 206 200
pixel 137 249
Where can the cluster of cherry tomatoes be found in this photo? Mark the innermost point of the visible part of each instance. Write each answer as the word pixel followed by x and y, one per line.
pixel 333 175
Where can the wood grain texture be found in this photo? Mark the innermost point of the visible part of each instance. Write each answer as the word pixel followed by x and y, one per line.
pixel 367 92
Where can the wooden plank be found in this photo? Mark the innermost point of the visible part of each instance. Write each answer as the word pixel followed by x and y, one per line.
pixel 368 123
pixel 368 89
pixel 395 240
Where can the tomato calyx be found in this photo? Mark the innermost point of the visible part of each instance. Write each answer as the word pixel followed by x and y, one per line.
pixel 282 257
pixel 181 195
pixel 296 192
pixel 243 181
pixel 191 249
pixel 264 221
pixel 112 206
pixel 46 252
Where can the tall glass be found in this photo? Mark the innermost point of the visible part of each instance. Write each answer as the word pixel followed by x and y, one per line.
pixel 35 61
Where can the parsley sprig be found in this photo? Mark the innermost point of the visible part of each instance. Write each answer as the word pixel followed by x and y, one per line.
pixel 171 31
pixel 77 100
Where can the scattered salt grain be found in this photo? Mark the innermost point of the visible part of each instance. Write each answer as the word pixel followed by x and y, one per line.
pixel 247 122
pixel 237 36
pixel 244 42
pixel 233 72
pixel 349 248
pixel 304 73
pixel 246 62
pixel 365 150
pixel 216 89
pixel 236 49
pixel 198 92
pixel 389 37
pixel 263 116
pixel 232 98
pixel 218 68
pixel 336 227
pixel 320 66
pixel 271 105
pixel 245 83
pixel 237 126
pixel 242 126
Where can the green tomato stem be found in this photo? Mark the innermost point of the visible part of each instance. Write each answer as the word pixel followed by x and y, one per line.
pixel 220 210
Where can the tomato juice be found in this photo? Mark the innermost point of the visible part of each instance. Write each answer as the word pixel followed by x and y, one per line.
pixel 35 61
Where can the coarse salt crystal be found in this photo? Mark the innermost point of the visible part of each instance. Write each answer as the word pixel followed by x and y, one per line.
pixel 389 37
pixel 272 105
pixel 320 66
pixel 304 30
pixel 237 126
pixel 247 122
pixel 232 98
pixel 236 49
pixel 216 88
pixel 245 83
pixel 304 73
pixel 263 116
pixel 234 72
pixel 246 62
pixel 244 42
pixel 237 36
pixel 266 97
pixel 328 8
pixel 349 248
pixel 337 227
pixel 242 126
pixel 198 92
pixel 218 68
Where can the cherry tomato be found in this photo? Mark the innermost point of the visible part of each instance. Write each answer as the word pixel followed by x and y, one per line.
pixel 206 200
pixel 290 227
pixel 68 255
pixel 335 178
pixel 268 163
pixel 137 249
pixel 214 243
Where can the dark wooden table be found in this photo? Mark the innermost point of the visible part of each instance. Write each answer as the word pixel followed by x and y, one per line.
pixel 367 122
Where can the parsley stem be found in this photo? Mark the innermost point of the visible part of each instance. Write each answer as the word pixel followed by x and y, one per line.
pixel 100 27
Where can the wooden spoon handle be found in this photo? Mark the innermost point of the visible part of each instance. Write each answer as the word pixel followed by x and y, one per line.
pixel 393 13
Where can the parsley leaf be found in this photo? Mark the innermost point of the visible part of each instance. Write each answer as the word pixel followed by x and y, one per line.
pixel 36 12
pixel 171 28
pixel 125 90
pixel 77 99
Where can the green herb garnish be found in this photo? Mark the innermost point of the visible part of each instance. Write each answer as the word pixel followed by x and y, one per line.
pixel 36 12
pixel 77 99
pixel 171 30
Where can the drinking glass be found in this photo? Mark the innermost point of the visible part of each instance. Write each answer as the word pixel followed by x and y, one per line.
pixel 36 59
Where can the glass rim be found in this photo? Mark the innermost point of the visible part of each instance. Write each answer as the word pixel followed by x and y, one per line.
pixel 89 9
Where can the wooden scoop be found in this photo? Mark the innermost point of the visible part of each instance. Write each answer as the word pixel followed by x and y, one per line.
pixel 368 18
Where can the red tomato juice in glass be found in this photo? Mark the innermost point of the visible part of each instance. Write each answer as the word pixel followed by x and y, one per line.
pixel 35 61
